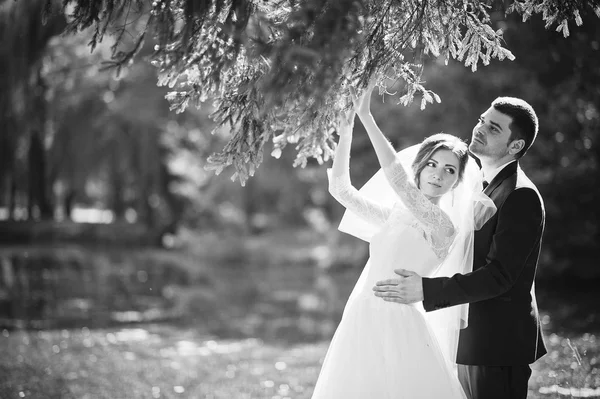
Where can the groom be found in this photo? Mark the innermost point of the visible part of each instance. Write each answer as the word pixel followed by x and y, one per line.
pixel 503 335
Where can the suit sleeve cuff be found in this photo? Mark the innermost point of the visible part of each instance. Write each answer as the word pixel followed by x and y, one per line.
pixel 429 289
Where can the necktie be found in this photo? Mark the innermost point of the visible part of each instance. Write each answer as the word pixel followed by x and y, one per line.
pixel 485 184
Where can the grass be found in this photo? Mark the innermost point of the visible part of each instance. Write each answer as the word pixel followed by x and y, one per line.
pixel 570 369
pixel 264 353
pixel 156 361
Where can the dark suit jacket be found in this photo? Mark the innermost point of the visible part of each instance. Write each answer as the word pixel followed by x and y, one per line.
pixel 504 327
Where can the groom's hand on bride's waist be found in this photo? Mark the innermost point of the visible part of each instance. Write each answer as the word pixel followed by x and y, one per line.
pixel 408 288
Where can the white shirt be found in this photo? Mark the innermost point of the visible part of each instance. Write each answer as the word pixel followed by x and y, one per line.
pixel 489 175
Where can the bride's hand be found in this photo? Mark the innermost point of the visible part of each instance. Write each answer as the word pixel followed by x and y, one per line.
pixel 362 104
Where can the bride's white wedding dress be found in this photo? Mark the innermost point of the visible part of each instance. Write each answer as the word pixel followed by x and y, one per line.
pixel 387 350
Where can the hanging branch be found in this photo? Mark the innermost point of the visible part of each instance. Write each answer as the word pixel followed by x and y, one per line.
pixel 279 70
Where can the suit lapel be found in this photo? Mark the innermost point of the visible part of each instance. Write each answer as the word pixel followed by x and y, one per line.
pixel 508 170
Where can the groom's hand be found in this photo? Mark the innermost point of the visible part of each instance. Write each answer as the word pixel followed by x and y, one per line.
pixel 406 289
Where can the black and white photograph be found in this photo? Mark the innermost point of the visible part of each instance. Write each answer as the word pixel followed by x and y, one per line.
pixel 299 199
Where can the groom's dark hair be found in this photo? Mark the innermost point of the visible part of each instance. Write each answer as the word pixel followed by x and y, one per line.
pixel 524 125
pixel 440 141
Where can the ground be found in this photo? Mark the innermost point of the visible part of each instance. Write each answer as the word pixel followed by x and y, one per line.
pixel 269 349
pixel 157 361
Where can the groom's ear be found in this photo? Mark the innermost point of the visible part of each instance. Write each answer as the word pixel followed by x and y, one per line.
pixel 516 146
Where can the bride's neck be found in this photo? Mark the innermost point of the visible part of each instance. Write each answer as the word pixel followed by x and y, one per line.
pixel 434 200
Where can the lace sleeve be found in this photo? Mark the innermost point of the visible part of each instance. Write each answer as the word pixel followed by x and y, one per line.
pixel 434 221
pixel 342 190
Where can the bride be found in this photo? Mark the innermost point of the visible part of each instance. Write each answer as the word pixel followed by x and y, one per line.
pixel 419 213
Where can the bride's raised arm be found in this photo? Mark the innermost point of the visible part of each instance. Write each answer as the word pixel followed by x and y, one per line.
pixel 416 202
pixel 383 148
pixel 340 185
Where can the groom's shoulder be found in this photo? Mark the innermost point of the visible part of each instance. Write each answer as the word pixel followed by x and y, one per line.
pixel 523 181
pixel 523 184
pixel 518 187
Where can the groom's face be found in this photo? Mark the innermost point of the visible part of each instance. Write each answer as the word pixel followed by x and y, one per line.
pixel 491 135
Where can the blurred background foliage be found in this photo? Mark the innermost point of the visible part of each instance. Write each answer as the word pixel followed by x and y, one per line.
pixel 90 157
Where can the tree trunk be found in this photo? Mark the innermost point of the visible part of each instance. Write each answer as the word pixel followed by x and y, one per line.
pixel 117 202
pixel 147 209
pixel 38 192
pixel 12 195
pixel 173 204
pixel 32 175
pixel 68 204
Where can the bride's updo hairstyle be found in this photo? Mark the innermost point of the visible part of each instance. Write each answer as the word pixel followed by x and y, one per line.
pixel 440 141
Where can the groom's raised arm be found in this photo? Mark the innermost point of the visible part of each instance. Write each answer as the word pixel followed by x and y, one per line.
pixel 514 245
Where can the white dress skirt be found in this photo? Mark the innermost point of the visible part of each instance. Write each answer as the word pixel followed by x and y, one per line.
pixel 387 350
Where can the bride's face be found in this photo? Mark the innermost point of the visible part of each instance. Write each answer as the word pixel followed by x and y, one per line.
pixel 439 175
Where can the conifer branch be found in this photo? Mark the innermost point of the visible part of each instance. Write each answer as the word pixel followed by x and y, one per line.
pixel 279 70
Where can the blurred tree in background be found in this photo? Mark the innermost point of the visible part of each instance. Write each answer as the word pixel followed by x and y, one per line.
pixel 22 102
pixel 74 134
pixel 279 70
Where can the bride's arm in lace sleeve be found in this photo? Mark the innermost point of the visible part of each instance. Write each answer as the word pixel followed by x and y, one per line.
pixel 416 202
pixel 341 187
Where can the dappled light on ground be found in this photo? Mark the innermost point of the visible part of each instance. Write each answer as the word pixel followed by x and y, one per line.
pixel 248 319
pixel 157 361
pixel 570 369
pixel 571 392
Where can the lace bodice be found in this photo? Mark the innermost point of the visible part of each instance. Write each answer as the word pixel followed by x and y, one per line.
pixel 434 225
